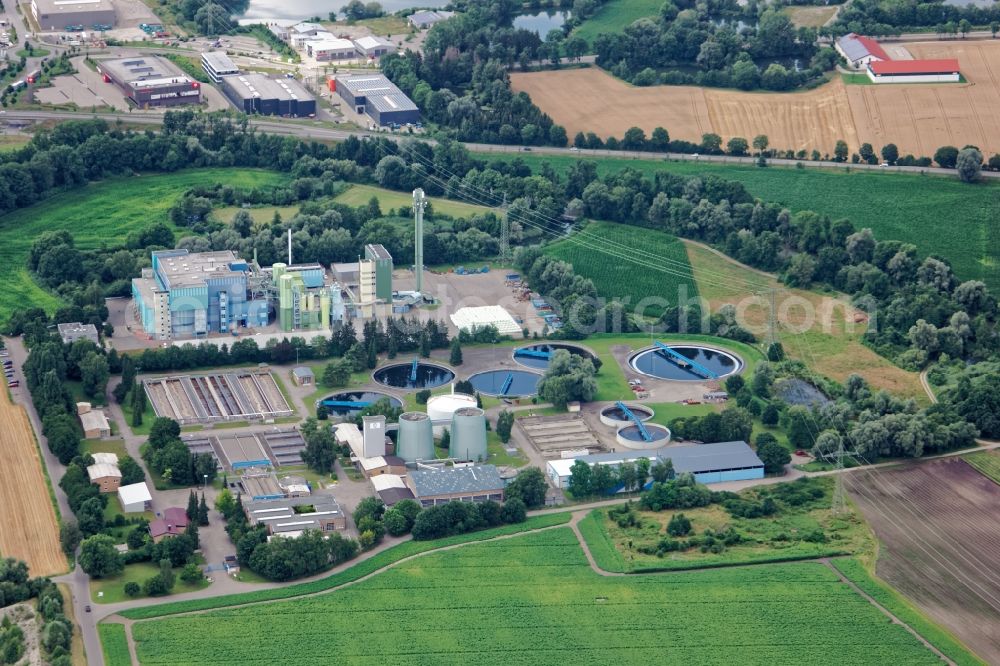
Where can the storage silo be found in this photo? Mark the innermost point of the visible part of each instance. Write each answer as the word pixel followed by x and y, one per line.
pixel 442 407
pixel 468 434
pixel 285 304
pixel 415 440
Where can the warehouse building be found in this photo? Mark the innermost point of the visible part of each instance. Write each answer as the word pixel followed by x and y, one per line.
pixel 331 48
pixel 73 14
pixel 70 333
pixel 390 488
pixel 256 93
pixel 374 47
pixel 709 463
pixel 915 71
pixel 194 293
pixel 150 82
pixel 378 98
pixel 291 517
pixel 476 483
pixel 425 19
pixel 217 65
pixel 135 498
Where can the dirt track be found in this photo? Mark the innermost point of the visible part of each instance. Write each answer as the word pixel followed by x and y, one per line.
pixel 28 529
pixel 939 525
pixel 918 118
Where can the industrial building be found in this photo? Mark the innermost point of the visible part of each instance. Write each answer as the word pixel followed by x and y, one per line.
pixel 231 396
pixel 149 81
pixel 709 463
pixel 173 522
pixel 475 483
pixel 390 488
pixel 217 65
pixel 135 497
pixel 291 517
pixel 915 71
pixel 327 49
pixel 304 300
pixel 73 15
pixel 104 472
pixel 380 465
pixel 303 376
pixel 378 98
pixel 374 47
pixel 93 421
pixel 267 486
pixel 378 264
pixel 424 18
pixel 256 93
pixel 70 333
pixel 860 51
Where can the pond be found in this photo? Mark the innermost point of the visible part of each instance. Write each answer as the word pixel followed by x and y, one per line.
pixel 542 22
pixel 305 9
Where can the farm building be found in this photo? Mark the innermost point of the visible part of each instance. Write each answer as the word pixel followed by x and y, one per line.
pixel 217 65
pixel 105 473
pixel 374 47
pixel 292 516
pixel 915 71
pixel 256 93
pixel 378 98
pixel 709 463
pixel 476 483
pixel 860 51
pixel 425 19
pixel 173 522
pixel 148 81
pixel 70 333
pixel 470 318
pixel 135 498
pixel 303 376
pixel 94 422
pixel 390 488
pixel 75 14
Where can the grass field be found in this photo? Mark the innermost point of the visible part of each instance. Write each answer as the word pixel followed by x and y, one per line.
pixel 896 206
pixel 103 212
pixel 114 644
pixel 779 537
pixel 111 590
pixel 545 605
pixel 987 462
pixel 809 17
pixel 615 16
pixel 664 276
pixel 359 195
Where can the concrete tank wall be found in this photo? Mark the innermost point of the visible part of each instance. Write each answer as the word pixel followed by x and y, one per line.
pixel 415 440
pixel 468 434
pixel 443 407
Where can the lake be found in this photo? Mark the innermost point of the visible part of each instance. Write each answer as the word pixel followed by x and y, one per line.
pixel 304 9
pixel 542 22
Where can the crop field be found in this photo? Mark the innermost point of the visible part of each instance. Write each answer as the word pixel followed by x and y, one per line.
pixel 615 16
pixel 359 195
pixel 28 526
pixel 114 644
pixel 103 212
pixel 545 605
pixel 805 531
pixel 642 264
pixel 987 462
pixel 918 118
pixel 938 524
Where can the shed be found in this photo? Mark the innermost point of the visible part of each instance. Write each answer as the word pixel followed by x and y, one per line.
pixel 135 498
pixel 106 476
pixel 303 376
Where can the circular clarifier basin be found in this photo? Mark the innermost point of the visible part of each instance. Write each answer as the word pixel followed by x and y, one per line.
pixel 349 402
pixel 613 415
pixel 537 356
pixel 631 437
pixel 686 363
pixel 506 383
pixel 405 376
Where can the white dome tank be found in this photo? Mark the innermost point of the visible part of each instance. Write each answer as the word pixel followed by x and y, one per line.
pixel 443 407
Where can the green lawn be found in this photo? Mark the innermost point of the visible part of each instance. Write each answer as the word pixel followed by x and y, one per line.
pixel 113 587
pixel 905 207
pixel 615 16
pixel 498 454
pixel 103 212
pixel 359 195
pixel 148 416
pixel 114 644
pixel 664 276
pixel 534 599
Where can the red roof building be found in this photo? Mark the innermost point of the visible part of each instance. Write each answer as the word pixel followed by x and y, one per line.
pixel 904 67
pixel 872 46
pixel 172 523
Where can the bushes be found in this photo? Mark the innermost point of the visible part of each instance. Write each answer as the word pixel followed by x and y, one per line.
pixel 453 518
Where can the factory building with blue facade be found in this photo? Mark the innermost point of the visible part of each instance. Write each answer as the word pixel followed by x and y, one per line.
pixel 189 294
pixel 379 98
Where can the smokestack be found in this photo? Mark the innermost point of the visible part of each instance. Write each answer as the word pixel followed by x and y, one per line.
pixel 418 236
pixel 289 247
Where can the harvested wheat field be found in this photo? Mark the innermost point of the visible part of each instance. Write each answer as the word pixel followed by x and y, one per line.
pixel 918 118
pixel 28 529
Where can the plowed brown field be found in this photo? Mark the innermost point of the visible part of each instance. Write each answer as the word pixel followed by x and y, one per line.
pixel 918 118
pixel 939 525
pixel 28 529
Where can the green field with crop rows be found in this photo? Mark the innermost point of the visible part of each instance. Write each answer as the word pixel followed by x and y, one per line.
pixel 534 600
pixel 114 644
pixel 103 212
pixel 630 264
pixel 940 215
pixel 987 462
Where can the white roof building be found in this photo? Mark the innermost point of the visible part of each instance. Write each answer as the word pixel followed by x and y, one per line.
pixel 471 318
pixel 134 498
pixel 382 482
pixel 107 458
pixel 103 471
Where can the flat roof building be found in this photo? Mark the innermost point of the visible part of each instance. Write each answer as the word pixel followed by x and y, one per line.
pixel 75 14
pixel 135 497
pixel 378 98
pixel 331 48
pixel 217 64
pixel 70 333
pixel 256 93
pixel 149 81
pixel 476 483
pixel 425 19
pixel 374 47
pixel 292 516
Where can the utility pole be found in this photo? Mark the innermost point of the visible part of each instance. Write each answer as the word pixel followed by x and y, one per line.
pixel 772 320
pixel 839 503
pixel 419 203
pixel 505 257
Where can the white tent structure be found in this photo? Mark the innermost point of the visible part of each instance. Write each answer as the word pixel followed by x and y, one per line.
pixel 470 318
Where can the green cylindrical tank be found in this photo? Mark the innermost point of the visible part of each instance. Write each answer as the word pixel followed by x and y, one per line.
pixel 416 437
pixel 324 309
pixel 277 270
pixel 468 434
pixel 285 291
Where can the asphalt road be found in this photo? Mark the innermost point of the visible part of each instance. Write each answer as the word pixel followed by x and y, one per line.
pixel 314 130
